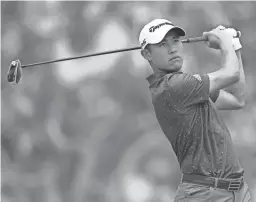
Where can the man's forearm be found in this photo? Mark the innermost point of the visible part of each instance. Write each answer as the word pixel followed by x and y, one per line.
pixel 238 89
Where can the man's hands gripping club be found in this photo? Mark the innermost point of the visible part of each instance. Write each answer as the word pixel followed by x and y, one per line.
pixel 235 40
pixel 220 37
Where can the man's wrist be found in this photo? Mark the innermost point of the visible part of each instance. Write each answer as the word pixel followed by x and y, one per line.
pixel 226 47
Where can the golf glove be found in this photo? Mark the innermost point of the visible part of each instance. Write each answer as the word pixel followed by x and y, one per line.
pixel 235 41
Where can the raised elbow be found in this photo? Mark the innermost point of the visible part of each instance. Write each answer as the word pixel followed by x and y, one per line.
pixel 236 76
pixel 237 106
pixel 241 104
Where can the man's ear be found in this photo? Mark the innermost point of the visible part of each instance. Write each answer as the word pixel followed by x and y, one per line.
pixel 146 54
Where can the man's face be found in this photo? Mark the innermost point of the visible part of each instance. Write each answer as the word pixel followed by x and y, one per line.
pixel 167 55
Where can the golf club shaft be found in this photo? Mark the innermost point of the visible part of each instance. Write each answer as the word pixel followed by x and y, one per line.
pixel 188 40
pixel 83 56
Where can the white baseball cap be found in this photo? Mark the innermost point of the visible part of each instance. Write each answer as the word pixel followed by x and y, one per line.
pixel 155 31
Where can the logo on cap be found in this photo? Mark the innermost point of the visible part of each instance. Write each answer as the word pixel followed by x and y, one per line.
pixel 153 28
pixel 143 43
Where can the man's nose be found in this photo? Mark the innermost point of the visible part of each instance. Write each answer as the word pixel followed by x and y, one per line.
pixel 172 49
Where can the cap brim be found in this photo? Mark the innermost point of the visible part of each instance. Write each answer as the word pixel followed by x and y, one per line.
pixel 159 37
pixel 179 30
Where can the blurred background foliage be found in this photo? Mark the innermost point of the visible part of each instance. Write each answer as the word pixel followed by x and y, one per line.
pixel 85 130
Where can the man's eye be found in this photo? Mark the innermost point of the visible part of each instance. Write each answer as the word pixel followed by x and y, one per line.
pixel 162 43
pixel 176 40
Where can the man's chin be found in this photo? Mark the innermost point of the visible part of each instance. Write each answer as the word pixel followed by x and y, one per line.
pixel 174 69
pixel 171 69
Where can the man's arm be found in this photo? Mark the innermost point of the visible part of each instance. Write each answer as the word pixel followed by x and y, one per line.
pixel 233 96
pixel 229 72
pixel 238 88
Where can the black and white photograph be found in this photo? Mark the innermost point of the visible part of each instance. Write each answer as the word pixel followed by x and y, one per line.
pixel 128 101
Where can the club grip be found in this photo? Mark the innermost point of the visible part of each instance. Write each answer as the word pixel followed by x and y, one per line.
pixel 204 38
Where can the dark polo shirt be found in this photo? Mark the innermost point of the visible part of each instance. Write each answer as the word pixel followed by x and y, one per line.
pixel 191 123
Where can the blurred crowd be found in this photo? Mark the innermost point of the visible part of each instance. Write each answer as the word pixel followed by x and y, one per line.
pixel 85 130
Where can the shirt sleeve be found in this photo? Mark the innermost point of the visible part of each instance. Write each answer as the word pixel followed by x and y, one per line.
pixel 215 95
pixel 187 89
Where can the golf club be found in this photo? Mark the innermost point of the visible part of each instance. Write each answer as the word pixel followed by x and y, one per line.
pixel 14 73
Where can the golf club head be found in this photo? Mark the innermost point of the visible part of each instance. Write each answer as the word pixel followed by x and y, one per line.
pixel 14 72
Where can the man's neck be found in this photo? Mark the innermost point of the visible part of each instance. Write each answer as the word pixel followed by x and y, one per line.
pixel 158 71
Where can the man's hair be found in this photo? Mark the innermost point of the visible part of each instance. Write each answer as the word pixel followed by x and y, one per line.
pixel 148 47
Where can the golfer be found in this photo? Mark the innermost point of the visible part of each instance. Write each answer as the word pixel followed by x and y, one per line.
pixel 186 107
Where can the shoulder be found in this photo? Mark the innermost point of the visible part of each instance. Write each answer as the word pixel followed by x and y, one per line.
pixel 186 79
pixel 179 79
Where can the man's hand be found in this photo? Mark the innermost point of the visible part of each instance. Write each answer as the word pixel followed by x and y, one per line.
pixel 235 41
pixel 219 38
